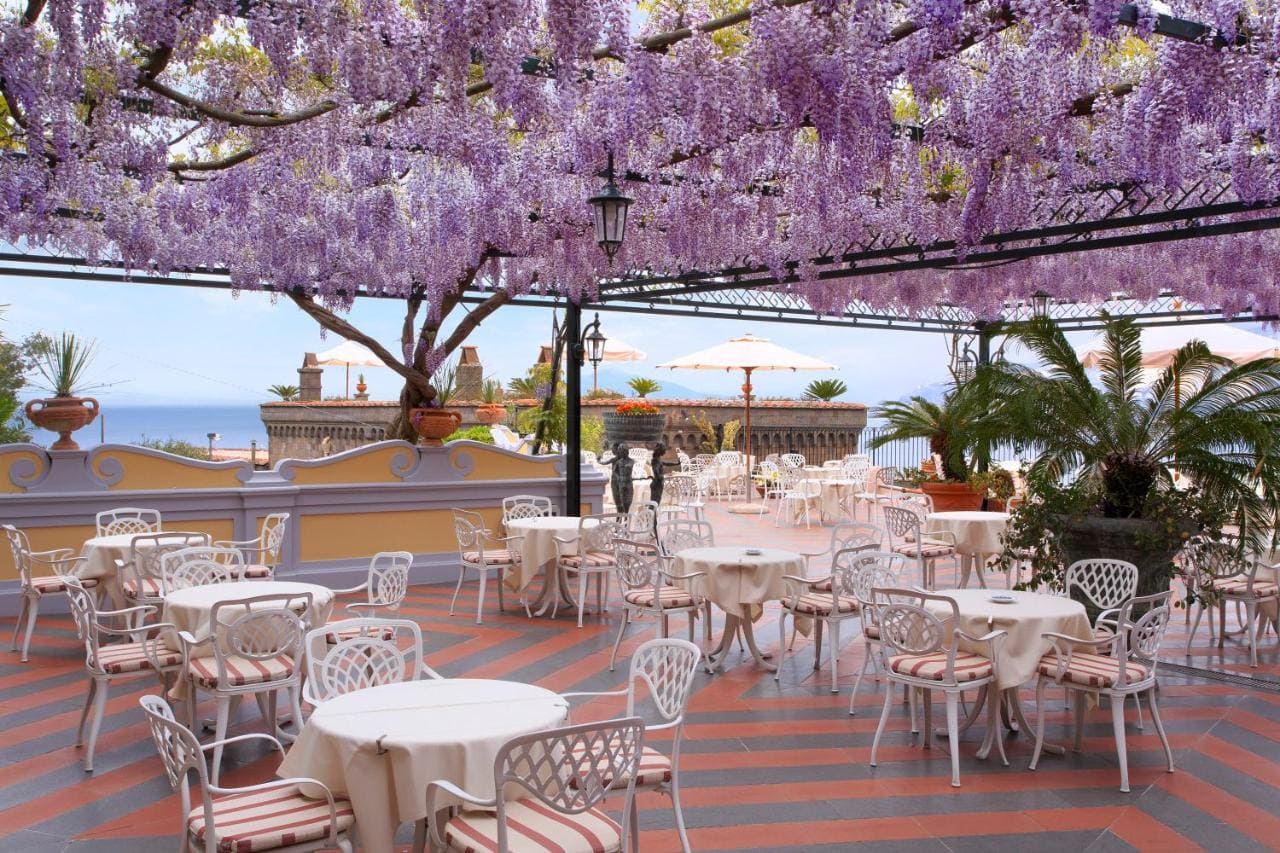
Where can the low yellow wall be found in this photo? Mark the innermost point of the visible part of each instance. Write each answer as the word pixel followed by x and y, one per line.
pixel 376 465
pixel 73 536
pixel 346 535
pixel 492 464
pixel 18 455
pixel 144 471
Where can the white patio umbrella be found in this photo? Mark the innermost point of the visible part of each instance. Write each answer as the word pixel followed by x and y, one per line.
pixel 748 354
pixel 615 350
pixel 349 354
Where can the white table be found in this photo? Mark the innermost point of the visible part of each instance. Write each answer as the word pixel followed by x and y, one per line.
pixel 739 584
pixel 100 554
pixel 191 609
pixel 1029 616
pixel 381 746
pixel 977 538
pixel 538 555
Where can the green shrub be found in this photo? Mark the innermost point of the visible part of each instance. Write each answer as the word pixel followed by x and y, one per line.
pixel 475 433
pixel 176 446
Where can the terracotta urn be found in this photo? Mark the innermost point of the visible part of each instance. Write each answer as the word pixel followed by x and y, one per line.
pixel 948 496
pixel 491 413
pixel 434 425
pixel 63 415
pixel 361 387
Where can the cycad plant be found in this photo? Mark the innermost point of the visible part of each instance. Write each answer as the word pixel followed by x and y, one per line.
pixel 643 386
pixel 285 392
pixel 1208 419
pixel 825 389
pixel 952 427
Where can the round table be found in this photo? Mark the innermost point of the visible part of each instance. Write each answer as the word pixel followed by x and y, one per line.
pixel 382 745
pixel 1030 615
pixel 977 537
pixel 739 584
pixel 835 490
pixel 538 555
pixel 100 554
pixel 190 609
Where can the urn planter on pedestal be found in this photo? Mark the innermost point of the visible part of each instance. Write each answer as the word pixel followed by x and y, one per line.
pixel 63 415
pixel 635 422
pixel 434 425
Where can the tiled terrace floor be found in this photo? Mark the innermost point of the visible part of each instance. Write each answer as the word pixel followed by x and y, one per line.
pixel 768 766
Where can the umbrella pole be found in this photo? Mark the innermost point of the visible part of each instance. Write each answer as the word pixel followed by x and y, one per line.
pixel 595 376
pixel 746 394
pixel 347 389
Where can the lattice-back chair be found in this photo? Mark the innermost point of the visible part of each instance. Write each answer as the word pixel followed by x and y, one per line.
pixel 563 776
pixel 272 815
pixel 527 506
pixel 371 652
pixel 907 536
pixel 1103 583
pixel 262 553
pixel 642 522
pixel 920 650
pixel 681 497
pixel 1221 574
pixel 680 533
pixel 729 457
pixel 856 468
pixel 827 608
pixel 590 554
pixel 871 570
pixel 792 460
pixel 1120 665
pixel 141 576
pixel 799 498
pixel 481 552
pixel 117 654
pixel 877 493
pixel 200 565
pixel 705 460
pixel 666 669
pixel 649 589
pixel 384 588
pixel 845 536
pixel 40 573
pixel 257 646
pixel 127 519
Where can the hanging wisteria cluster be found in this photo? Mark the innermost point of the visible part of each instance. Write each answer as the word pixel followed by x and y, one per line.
pixel 410 148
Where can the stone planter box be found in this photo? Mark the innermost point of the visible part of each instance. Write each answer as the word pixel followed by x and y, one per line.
pixel 634 429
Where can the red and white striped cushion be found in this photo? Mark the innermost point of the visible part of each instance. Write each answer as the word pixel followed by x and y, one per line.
pixel 823 586
pixel 335 637
pixel 818 604
pixel 533 827
pixel 927 548
pixel 655 768
pixel 241 671
pixel 872 631
pixel 254 572
pixel 57 584
pixel 1090 670
pixel 150 588
pixel 267 820
pixel 591 558
pixel 668 596
pixel 496 557
pixel 969 667
pixel 120 658
pixel 1240 586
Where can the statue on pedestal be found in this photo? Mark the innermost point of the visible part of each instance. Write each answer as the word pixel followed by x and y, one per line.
pixel 620 477
pixel 659 466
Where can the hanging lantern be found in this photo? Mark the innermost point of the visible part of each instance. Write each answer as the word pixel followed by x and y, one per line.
pixel 610 212
pixel 593 343
pixel 1040 304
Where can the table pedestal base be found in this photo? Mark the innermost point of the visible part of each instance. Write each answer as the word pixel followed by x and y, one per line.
pixel 748 509
pixel 733 624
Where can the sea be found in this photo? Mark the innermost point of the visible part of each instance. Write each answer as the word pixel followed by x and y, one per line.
pixel 236 425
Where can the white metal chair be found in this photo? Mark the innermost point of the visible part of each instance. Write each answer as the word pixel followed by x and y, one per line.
pixel 798 499
pixel 642 522
pixel 261 554
pixel 60 562
pixel 257 646
pixel 481 552
pixel 1106 584
pixel 269 816
pixel 127 519
pixel 370 654
pixel 106 661
pixel 681 533
pixel 1221 575
pixel 872 570
pixel 829 607
pixel 907 536
pixel 666 668
pixel 649 590
pixel 140 575
pixel 875 494
pixel 792 460
pixel 853 535
pixel 921 651
pixel 384 588
pixel 199 566
pixel 563 775
pixel 527 506
pixel 590 554
pixel 1120 665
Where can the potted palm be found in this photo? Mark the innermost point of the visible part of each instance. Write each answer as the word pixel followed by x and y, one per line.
pixel 491 410
pixel 361 387
pixel 64 363
pixel 825 390
pixel 952 429
pixel 287 393
pixel 1129 471
pixel 434 422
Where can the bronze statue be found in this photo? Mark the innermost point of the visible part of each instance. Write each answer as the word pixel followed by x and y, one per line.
pixel 620 478
pixel 659 466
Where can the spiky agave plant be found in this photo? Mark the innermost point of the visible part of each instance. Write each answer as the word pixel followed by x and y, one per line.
pixel 64 364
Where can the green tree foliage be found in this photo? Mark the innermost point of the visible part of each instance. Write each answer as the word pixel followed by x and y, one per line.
pixel 825 390
pixel 643 386
pixel 285 392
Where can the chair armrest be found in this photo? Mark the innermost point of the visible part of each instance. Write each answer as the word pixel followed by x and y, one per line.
pixel 357 606
pixel 239 738
pixel 581 693
pixel 296 781
pixel 53 555
pixel 994 640
pixel 569 541
pixel 233 543
pixel 444 785
pixel 940 534
pixel 353 590
pixel 141 608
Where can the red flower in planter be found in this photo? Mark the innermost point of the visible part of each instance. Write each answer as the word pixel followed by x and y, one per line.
pixel 637 407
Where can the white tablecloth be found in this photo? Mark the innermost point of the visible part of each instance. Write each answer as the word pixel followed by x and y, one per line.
pixel 190 609
pixel 1030 615
pixel 736 580
pixel 100 554
pixel 975 532
pixel 537 547
pixel 441 729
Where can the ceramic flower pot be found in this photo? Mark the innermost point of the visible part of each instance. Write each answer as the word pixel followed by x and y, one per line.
pixel 949 497
pixel 361 387
pixel 491 413
pixel 434 425
pixel 63 415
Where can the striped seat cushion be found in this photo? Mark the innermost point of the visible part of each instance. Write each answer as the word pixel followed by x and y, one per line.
pixel 1240 586
pixel 150 588
pixel 253 572
pixel 872 632
pixel 496 557
pixel 818 604
pixel 120 658
pixel 56 584
pixel 655 769
pixel 590 559
pixel 335 637
pixel 268 820
pixel 1090 670
pixel 533 827
pixel 241 671
pixel 933 666
pixel 928 548
pixel 823 586
pixel 668 596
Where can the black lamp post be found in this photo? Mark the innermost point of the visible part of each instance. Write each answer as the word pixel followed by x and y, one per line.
pixel 591 348
pixel 610 214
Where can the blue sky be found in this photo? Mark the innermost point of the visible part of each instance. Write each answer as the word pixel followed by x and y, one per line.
pixel 189 345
